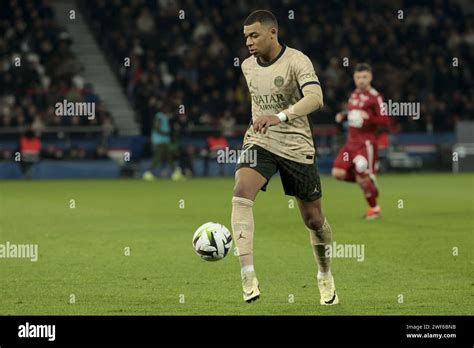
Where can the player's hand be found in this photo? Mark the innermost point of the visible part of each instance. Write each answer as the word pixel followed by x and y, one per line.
pixel 340 117
pixel 263 122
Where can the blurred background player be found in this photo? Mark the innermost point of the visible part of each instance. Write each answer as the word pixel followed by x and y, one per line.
pixel 285 90
pixel 357 160
pixel 185 152
pixel 162 147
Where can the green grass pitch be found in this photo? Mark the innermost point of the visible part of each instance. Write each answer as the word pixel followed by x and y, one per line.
pixel 408 252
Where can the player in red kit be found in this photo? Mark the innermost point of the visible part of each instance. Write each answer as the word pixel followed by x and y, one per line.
pixel 357 161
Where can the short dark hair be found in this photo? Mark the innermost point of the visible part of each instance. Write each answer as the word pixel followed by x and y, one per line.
pixel 262 16
pixel 363 67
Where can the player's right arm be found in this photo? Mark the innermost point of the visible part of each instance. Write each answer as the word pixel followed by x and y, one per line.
pixel 341 116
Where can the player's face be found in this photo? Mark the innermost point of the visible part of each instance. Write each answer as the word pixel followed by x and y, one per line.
pixel 362 79
pixel 258 38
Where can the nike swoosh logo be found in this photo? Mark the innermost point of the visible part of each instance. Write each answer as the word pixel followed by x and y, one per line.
pixel 331 300
pixel 248 293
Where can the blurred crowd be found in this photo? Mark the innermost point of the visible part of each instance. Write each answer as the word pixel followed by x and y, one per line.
pixel 184 53
pixel 187 54
pixel 38 69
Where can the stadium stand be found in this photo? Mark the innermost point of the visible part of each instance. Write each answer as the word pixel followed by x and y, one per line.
pixel 420 52
pixel 193 65
pixel 37 70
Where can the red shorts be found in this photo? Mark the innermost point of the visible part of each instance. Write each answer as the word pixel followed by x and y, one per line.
pixel 360 158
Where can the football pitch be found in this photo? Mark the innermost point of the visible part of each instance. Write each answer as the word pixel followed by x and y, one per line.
pixel 123 247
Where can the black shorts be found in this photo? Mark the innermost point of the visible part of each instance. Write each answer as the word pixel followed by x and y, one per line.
pixel 298 179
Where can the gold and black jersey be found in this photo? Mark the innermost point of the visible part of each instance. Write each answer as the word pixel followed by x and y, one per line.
pixel 273 88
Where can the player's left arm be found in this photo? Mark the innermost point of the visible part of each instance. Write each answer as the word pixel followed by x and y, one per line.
pixel 312 99
pixel 380 118
pixel 308 82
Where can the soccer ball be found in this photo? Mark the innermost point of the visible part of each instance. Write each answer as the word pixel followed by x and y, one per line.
pixel 212 241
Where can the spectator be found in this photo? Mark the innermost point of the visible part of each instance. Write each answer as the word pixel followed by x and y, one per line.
pixel 215 143
pixel 30 148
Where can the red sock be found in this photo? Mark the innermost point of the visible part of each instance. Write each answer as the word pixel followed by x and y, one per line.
pixel 370 192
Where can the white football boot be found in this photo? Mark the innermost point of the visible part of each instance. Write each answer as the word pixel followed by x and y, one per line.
pixel 327 289
pixel 250 287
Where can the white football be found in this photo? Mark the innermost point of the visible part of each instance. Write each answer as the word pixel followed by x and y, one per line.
pixel 212 241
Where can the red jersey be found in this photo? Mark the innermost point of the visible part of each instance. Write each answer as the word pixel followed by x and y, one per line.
pixel 365 114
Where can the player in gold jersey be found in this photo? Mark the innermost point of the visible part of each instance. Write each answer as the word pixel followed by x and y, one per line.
pixel 284 89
